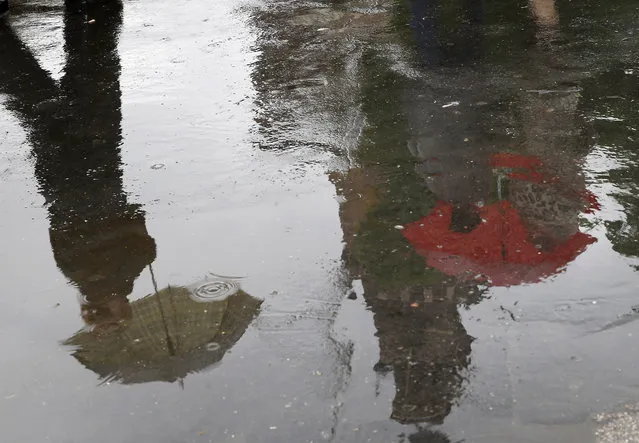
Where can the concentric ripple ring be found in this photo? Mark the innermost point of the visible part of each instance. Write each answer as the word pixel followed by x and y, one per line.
pixel 217 289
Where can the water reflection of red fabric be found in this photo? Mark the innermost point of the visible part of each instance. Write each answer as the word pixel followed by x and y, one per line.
pixel 527 167
pixel 524 167
pixel 498 250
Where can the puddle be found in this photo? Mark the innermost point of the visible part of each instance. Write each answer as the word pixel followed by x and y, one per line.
pixel 432 208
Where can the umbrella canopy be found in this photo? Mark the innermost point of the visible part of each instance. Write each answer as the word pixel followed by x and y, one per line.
pixel 170 334
pixel 500 248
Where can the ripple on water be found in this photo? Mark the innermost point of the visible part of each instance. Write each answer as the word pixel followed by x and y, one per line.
pixel 213 346
pixel 217 289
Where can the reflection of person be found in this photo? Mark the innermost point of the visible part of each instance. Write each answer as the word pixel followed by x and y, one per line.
pixel 447 131
pixel 99 239
pixel 452 146
pixel 423 342
pixel 456 142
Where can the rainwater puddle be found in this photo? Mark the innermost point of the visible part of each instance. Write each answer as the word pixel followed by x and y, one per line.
pixel 338 221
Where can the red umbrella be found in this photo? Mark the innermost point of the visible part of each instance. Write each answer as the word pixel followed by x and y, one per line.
pixel 499 250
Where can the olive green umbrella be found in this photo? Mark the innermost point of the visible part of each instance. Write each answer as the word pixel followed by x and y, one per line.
pixel 170 334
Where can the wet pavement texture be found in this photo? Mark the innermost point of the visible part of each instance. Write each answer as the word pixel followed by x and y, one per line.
pixel 351 221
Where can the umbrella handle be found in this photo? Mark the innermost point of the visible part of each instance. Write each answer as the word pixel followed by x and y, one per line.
pixel 155 284
pixel 169 342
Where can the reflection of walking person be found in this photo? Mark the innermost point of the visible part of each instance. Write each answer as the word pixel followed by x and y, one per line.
pixel 103 257
pixel 99 239
pixel 422 340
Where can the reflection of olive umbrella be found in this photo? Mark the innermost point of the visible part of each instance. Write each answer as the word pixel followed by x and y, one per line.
pixel 168 336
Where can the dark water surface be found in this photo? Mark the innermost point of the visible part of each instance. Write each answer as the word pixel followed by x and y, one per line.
pixel 348 221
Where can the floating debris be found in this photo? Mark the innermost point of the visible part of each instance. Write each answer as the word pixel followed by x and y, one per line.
pixel 607 118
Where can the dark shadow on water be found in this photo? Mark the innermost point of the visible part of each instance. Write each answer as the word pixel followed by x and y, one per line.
pixel 498 155
pixel 99 239
pixel 428 436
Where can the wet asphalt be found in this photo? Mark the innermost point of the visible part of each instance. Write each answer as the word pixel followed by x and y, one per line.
pixel 348 221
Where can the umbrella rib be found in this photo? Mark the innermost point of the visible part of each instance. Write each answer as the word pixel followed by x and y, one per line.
pixel 177 322
pixel 169 343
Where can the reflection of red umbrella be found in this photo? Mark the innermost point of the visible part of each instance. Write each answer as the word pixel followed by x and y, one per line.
pixel 499 249
pixel 527 167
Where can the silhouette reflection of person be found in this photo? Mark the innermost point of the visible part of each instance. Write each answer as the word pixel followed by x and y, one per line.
pixel 449 136
pixel 422 340
pixel 99 239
